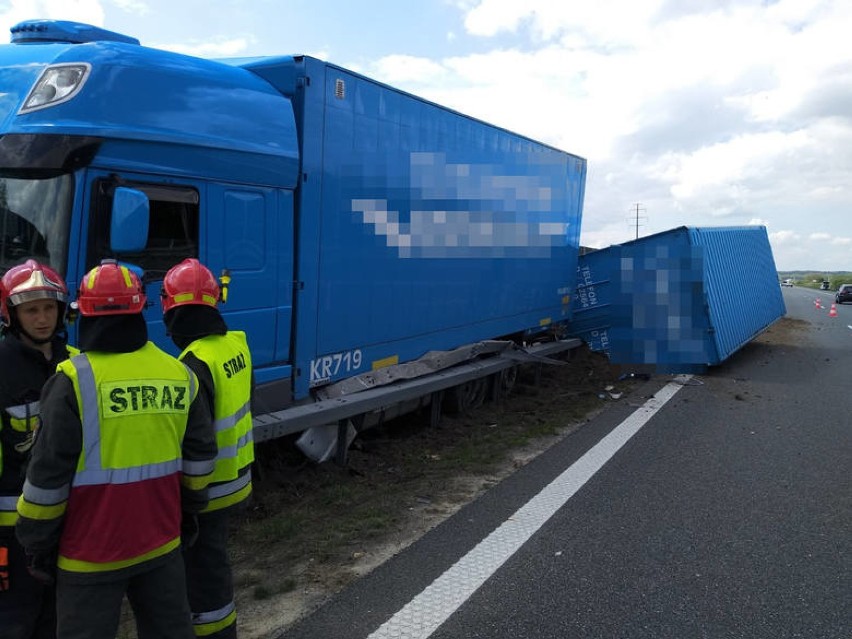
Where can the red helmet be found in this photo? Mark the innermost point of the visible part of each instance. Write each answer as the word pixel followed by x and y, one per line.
pixel 27 282
pixel 189 282
pixel 110 289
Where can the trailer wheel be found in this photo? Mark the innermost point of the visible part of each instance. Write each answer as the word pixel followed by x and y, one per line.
pixel 466 397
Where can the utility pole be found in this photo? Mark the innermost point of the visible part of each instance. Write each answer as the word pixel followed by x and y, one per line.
pixel 637 208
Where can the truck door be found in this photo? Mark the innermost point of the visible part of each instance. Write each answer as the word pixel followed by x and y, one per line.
pixel 247 231
pixel 173 235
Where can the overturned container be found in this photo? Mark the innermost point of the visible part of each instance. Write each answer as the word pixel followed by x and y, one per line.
pixel 678 301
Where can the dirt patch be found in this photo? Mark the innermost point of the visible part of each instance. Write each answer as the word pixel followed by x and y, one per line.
pixel 312 529
pixel 786 331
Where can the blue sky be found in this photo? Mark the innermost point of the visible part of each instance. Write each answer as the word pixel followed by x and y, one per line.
pixel 705 113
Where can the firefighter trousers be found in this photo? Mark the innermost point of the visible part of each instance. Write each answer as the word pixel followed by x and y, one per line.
pixel 209 579
pixel 27 608
pixel 87 610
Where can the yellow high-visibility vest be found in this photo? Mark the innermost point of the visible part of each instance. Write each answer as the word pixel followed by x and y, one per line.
pixel 125 496
pixel 229 360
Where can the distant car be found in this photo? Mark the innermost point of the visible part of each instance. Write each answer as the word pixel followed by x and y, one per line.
pixel 787 283
pixel 825 286
pixel 844 294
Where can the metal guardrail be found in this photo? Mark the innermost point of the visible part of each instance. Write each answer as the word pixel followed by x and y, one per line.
pixel 297 419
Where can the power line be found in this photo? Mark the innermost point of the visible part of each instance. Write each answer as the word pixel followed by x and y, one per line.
pixel 636 209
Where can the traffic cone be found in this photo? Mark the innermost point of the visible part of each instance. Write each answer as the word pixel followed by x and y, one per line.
pixel 817 303
pixel 833 311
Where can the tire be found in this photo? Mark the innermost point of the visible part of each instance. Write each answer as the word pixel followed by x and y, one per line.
pixel 466 397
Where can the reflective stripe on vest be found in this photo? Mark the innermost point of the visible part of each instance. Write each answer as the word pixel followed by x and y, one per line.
pixel 229 452
pixel 229 487
pixel 224 423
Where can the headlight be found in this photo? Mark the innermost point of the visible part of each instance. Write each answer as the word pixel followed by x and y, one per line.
pixel 57 83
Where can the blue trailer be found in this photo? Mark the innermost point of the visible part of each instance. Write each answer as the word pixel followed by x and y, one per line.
pixel 363 227
pixel 678 301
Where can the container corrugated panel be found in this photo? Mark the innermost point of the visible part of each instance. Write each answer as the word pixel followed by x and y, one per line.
pixel 679 300
pixel 741 284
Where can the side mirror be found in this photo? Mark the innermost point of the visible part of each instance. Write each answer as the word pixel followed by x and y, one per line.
pixel 131 214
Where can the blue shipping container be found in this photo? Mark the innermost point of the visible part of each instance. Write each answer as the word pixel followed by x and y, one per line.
pixel 680 300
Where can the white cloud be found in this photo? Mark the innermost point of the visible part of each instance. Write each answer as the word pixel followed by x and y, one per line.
pixel 214 48
pixel 135 7
pixel 784 237
pixel 493 16
pixel 725 170
pixel 594 22
pixel 406 69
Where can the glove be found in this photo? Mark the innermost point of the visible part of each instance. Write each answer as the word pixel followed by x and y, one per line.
pixel 42 567
pixel 189 530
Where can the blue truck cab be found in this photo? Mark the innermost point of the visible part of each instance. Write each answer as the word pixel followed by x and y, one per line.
pixel 362 226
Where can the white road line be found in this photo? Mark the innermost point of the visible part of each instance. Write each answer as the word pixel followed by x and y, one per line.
pixel 420 617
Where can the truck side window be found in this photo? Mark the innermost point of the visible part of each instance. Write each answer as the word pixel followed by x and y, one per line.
pixel 172 230
pixel 35 217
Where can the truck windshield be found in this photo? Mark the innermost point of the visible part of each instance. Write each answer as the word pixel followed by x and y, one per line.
pixel 34 220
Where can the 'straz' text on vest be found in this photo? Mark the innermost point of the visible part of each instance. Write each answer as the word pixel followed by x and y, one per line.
pixel 234 365
pixel 150 396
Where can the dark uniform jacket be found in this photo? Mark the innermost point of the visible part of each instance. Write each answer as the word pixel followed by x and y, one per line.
pixel 23 372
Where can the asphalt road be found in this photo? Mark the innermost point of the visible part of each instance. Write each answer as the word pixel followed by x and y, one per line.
pixel 721 507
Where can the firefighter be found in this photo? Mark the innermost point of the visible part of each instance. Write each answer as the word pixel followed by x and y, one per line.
pixel 123 458
pixel 221 360
pixel 32 308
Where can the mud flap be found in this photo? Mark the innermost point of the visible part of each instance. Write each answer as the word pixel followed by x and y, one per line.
pixel 319 443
